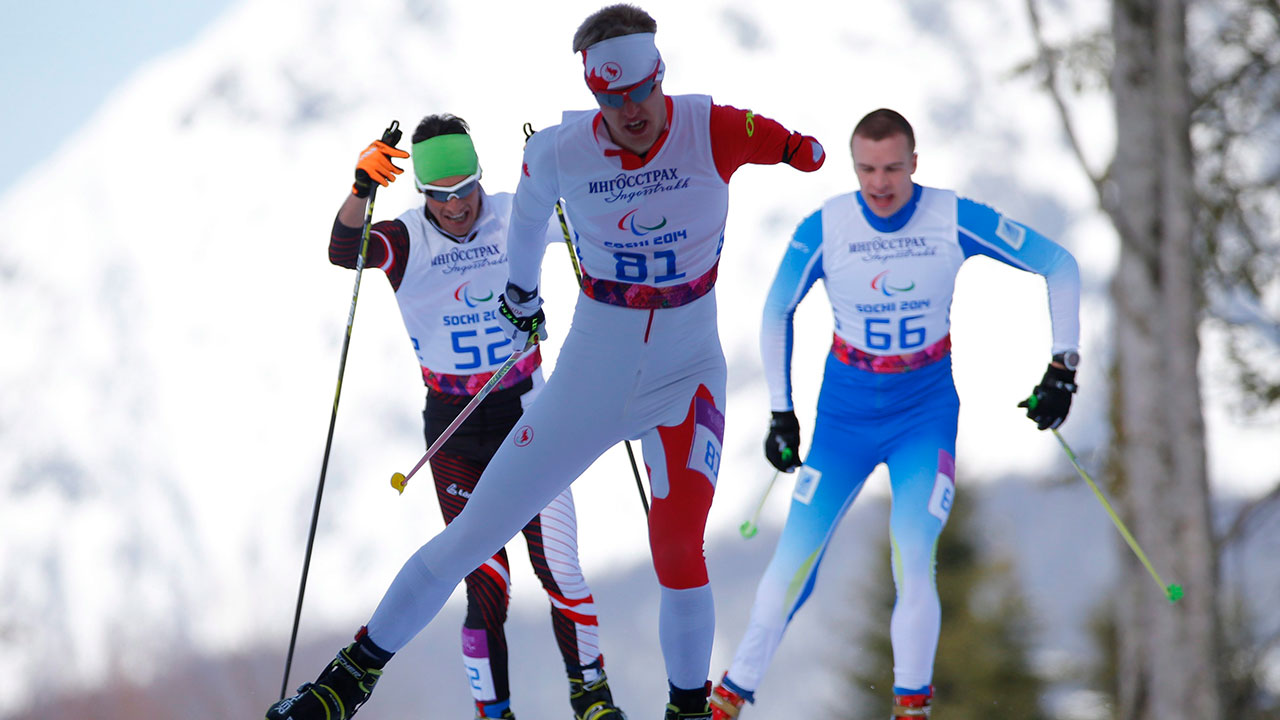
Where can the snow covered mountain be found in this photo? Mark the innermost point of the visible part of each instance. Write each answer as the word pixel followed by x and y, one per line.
pixel 172 325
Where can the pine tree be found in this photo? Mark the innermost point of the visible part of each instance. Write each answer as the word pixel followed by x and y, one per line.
pixel 982 669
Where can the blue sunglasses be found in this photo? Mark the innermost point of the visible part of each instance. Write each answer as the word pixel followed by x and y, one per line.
pixel 637 93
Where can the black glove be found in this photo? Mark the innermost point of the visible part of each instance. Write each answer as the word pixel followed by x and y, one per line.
pixel 1051 399
pixel 782 444
pixel 520 316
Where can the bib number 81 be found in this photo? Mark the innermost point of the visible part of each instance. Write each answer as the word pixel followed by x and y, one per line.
pixel 634 267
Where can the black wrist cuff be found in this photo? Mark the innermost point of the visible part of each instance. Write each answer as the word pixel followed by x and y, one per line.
pixel 784 420
pixel 519 295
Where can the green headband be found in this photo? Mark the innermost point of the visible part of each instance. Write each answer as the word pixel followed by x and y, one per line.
pixel 444 156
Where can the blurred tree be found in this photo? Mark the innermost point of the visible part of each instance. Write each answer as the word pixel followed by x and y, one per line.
pixel 982 669
pixel 1192 192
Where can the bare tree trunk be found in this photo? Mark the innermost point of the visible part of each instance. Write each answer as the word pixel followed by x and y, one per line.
pixel 1168 654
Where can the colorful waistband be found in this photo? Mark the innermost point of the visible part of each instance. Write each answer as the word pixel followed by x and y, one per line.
pixel 471 384
pixel 648 297
pixel 852 356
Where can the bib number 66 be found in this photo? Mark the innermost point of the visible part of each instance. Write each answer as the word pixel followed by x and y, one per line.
pixel 880 333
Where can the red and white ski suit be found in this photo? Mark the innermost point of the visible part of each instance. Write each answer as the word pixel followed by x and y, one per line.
pixel 642 359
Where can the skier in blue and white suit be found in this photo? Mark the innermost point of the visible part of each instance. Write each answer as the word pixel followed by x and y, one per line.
pixel 889 255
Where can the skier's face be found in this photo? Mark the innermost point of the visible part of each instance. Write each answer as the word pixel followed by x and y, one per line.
pixel 636 125
pixel 458 214
pixel 884 169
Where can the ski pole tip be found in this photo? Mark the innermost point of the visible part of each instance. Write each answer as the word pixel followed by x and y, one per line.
pixel 1174 592
pixel 398 481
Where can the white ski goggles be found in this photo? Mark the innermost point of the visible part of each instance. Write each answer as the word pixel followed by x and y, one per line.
pixel 460 189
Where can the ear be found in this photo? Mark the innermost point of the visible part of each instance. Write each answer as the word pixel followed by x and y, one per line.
pixel 914 158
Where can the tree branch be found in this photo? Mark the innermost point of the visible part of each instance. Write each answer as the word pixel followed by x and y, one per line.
pixel 1251 509
pixel 1046 61
pixel 1044 58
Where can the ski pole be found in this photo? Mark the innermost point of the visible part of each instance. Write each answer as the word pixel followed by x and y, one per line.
pixel 398 480
pixel 1173 592
pixel 391 137
pixel 749 528
pixel 577 270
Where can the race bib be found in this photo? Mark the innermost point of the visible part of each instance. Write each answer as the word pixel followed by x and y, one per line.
pixel 708 434
pixel 807 480
pixel 944 487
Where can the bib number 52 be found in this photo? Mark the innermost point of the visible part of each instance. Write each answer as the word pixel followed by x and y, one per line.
pixel 466 343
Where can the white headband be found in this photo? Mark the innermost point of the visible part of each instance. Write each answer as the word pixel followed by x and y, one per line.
pixel 621 62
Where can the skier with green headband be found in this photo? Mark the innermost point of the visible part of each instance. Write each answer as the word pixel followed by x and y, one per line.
pixel 446 260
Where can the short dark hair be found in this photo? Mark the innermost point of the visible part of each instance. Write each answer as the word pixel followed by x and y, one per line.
pixel 442 124
pixel 883 123
pixel 610 22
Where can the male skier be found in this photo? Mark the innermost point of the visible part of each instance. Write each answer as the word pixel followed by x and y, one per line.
pixel 446 262
pixel 889 254
pixel 645 177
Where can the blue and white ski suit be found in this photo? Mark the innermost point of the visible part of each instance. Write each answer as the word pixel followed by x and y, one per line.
pixel 887 395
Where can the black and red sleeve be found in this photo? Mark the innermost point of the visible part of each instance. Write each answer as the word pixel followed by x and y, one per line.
pixel 388 248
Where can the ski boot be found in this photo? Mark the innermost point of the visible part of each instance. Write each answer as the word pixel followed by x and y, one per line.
pixel 912 705
pixel 688 704
pixel 593 700
pixel 336 695
pixel 727 699
pixel 494 709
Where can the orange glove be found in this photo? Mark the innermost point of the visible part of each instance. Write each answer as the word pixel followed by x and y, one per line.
pixel 375 165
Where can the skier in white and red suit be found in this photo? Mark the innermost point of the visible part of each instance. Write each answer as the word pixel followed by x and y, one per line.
pixel 645 179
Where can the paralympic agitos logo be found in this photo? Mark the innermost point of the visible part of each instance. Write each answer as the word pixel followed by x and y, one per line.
pixel 880 283
pixel 628 222
pixel 464 294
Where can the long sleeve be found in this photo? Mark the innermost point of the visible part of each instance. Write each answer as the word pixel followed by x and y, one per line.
pixel 740 137
pixel 536 195
pixel 388 248
pixel 800 269
pixel 985 231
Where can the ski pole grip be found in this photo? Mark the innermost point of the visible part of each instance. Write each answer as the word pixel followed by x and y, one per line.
pixel 392 134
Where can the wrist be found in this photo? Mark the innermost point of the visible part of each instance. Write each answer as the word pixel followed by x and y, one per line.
pixel 784 420
pixel 1068 360
pixel 517 295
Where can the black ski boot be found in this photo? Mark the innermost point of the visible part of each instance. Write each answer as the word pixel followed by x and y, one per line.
pixel 689 704
pixel 336 695
pixel 593 700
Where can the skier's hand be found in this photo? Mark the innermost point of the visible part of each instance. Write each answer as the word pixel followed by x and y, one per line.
pixel 375 165
pixel 520 316
pixel 1051 399
pixel 782 444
